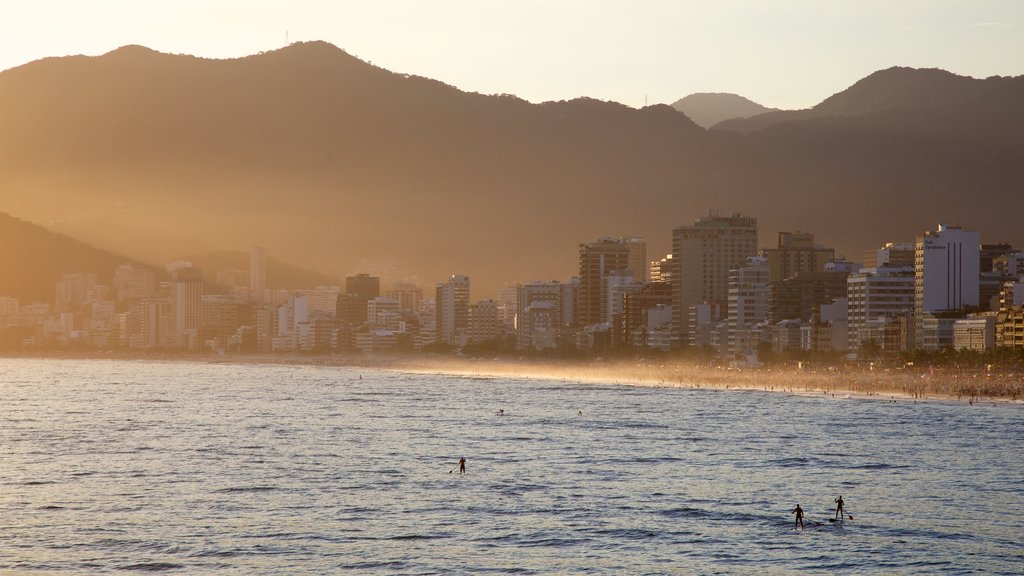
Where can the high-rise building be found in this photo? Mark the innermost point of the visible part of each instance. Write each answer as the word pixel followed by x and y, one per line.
pixel 363 285
pixel 597 261
pixel 359 289
pixel 539 317
pixel 643 312
pixel 946 277
pixel 661 270
pixel 258 275
pixel 876 297
pixel 892 255
pixel 508 306
pixel 407 295
pixel 638 265
pixel 452 310
pixel 187 305
pixel 800 296
pixel 383 312
pixel 483 322
pixel 133 284
pixel 702 255
pixel 796 252
pixel 749 286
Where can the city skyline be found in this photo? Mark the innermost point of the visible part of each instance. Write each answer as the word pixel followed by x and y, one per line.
pixel 721 293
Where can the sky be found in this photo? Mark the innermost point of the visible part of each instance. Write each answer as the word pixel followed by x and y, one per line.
pixel 780 53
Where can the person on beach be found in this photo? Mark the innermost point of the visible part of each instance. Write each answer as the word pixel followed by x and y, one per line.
pixel 839 508
pixel 462 465
pixel 799 517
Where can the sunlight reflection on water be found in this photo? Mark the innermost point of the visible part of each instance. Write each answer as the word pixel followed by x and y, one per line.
pixel 141 466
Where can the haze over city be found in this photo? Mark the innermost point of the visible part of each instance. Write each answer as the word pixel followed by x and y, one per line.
pixel 511 287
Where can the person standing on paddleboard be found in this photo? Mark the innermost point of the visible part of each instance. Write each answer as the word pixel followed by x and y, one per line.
pixel 839 508
pixel 462 465
pixel 799 517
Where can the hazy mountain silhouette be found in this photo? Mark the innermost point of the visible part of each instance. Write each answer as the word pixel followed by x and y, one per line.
pixel 893 89
pixel 710 108
pixel 328 161
pixel 33 260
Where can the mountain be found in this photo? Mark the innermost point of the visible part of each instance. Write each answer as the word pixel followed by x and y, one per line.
pixel 33 260
pixel 894 89
pixel 336 165
pixel 710 108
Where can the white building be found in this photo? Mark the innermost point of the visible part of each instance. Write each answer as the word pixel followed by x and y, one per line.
pixel 749 288
pixel 452 310
pixel 975 333
pixel 946 271
pixel 875 293
pixel 186 306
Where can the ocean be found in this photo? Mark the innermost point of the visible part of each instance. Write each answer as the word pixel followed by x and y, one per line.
pixel 193 468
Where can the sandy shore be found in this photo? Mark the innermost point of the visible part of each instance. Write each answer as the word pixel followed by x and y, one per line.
pixel 943 385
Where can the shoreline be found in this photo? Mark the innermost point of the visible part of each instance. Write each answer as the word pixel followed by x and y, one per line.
pixel 885 385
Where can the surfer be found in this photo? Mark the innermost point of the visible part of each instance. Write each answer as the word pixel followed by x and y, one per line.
pixel 839 508
pixel 500 412
pixel 462 465
pixel 799 517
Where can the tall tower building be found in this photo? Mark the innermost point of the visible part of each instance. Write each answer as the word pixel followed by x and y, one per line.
pixel 258 275
pixel 749 286
pixel 597 261
pixel 946 275
pixel 452 310
pixel 702 256
pixel 187 306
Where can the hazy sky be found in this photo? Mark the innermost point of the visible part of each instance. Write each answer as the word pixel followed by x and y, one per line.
pixel 783 53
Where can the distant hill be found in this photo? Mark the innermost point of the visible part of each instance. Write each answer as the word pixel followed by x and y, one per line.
pixel 895 89
pixel 329 162
pixel 710 108
pixel 279 274
pixel 33 260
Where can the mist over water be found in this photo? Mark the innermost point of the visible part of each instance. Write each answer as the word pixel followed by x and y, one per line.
pixel 115 466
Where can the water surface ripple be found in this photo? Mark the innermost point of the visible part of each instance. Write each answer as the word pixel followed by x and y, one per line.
pixel 184 468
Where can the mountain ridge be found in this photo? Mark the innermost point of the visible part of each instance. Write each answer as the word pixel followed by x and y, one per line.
pixel 328 162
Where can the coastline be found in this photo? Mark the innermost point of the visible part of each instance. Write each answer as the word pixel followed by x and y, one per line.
pixel 885 385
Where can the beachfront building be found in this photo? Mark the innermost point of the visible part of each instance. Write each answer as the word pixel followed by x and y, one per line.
pixel 796 252
pixel 187 305
pixel 946 276
pixel 483 322
pixel 702 255
pixel 597 261
pixel 976 332
pixel 452 310
pixel 875 298
pixel 539 317
pixel 749 287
